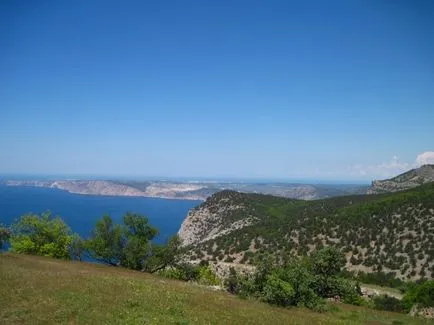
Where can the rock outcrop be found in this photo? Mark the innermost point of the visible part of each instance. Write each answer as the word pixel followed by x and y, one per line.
pixel 405 181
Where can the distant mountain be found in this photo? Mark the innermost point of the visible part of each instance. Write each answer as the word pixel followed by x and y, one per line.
pixel 407 180
pixel 190 190
pixel 391 232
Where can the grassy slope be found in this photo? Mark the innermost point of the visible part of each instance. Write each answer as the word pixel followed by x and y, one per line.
pixel 39 290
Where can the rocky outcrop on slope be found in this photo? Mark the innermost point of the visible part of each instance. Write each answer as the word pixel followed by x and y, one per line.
pixel 220 214
pixel 405 181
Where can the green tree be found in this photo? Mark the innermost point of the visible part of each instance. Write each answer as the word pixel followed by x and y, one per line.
pixel 106 243
pixel 5 234
pixel 163 256
pixel 137 236
pixel 279 292
pixel 328 262
pixel 41 235
pixel 422 294
pixel 127 245
pixel 77 247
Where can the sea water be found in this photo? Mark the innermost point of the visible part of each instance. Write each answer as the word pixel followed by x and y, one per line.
pixel 81 212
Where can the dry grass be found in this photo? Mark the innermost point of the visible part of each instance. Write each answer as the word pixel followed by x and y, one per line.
pixel 39 290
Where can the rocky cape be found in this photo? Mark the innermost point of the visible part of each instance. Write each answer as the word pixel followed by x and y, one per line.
pixel 405 181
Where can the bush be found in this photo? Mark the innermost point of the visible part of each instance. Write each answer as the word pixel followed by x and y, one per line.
pixel 207 276
pixel 385 302
pixel 232 282
pixel 278 292
pixel 42 235
pixel 298 283
pixel 422 294
pixel 5 234
pixel 182 272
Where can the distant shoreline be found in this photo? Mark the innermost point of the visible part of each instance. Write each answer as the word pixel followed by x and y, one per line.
pixel 195 191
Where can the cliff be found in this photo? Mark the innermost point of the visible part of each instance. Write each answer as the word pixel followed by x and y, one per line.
pixel 405 181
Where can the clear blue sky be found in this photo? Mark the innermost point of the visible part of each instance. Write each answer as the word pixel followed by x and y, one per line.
pixel 285 89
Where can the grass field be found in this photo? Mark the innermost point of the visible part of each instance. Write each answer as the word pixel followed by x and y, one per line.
pixel 39 290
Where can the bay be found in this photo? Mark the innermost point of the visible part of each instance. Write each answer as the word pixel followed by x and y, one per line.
pixel 81 212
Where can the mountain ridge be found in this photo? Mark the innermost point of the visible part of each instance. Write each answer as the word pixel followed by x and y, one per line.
pixel 392 232
pixel 404 181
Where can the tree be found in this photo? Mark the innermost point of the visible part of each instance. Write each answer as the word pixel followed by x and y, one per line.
pixel 77 247
pixel 127 245
pixel 41 235
pixel 163 256
pixel 137 237
pixel 5 234
pixel 106 242
pixel 328 261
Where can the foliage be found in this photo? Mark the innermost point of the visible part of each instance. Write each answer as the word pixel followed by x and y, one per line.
pixel 207 276
pixel 358 225
pixel 106 242
pixel 77 247
pixel 201 273
pixel 277 291
pixel 380 278
pixel 422 294
pixel 42 235
pixel 162 256
pixel 182 272
pixel 386 302
pixel 303 282
pixel 5 234
pixel 127 245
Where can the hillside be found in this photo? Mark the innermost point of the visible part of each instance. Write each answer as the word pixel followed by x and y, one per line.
pixel 407 180
pixel 40 290
pixel 389 232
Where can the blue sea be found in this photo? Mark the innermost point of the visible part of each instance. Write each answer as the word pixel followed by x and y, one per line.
pixel 81 212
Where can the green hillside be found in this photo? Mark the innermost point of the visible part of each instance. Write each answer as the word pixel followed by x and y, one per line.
pixel 389 232
pixel 40 290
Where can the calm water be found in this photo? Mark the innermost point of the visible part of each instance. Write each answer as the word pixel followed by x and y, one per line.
pixel 81 212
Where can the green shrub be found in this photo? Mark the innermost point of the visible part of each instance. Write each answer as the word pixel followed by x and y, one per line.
pixel 278 292
pixel 183 272
pixel 422 294
pixel 42 235
pixel 5 234
pixel 232 282
pixel 207 276
pixel 385 302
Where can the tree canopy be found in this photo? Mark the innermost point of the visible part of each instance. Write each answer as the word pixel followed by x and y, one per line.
pixel 41 235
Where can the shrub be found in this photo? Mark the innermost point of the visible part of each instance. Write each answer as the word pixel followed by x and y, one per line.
pixel 5 234
pixel 422 294
pixel 42 235
pixel 232 282
pixel 183 272
pixel 385 302
pixel 207 276
pixel 278 292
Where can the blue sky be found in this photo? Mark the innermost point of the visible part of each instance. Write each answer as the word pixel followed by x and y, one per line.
pixel 264 89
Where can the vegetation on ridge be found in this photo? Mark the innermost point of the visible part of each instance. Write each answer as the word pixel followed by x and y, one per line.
pixel 391 233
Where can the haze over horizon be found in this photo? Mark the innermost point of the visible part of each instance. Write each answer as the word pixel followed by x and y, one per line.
pixel 260 89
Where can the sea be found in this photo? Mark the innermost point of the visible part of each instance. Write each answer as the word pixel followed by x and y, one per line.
pixel 81 212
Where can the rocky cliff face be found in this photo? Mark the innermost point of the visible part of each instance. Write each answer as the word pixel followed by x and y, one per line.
pixel 221 214
pixel 405 181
